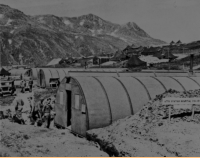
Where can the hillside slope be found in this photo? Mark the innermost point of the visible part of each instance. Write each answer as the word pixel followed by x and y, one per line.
pixel 43 37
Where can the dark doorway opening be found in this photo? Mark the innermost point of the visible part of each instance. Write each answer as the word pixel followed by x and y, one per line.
pixel 69 108
pixel 40 78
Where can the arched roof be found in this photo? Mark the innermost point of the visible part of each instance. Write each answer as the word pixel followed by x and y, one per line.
pixel 34 73
pixel 60 73
pixel 18 72
pixel 112 98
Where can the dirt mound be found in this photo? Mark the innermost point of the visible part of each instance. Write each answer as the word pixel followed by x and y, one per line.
pixel 6 100
pixel 30 141
pixel 150 133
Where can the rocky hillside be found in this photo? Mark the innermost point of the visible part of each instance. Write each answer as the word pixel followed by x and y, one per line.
pixel 43 37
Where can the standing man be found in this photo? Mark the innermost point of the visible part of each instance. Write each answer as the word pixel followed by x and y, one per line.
pixel 47 113
pixel 33 111
pixel 22 86
pixel 30 85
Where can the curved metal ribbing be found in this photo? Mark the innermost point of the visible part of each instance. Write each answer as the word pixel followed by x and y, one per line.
pixel 87 118
pixel 106 97
pixel 58 73
pixel 64 72
pixel 128 96
pixel 50 72
pixel 194 81
pixel 179 83
pixel 144 87
pixel 159 82
pixel 154 73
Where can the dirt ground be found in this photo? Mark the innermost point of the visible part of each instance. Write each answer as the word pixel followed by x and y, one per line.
pixel 150 133
pixel 28 140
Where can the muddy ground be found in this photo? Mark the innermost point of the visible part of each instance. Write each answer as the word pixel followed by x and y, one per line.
pixel 28 140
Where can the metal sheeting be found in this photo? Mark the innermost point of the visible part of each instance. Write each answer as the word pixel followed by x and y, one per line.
pixel 142 74
pixel 137 97
pixel 170 83
pixel 171 74
pixel 82 74
pixel 152 85
pixel 111 98
pixel 18 72
pixel 187 83
pixel 60 73
pixel 97 102
pixel 118 99
pixel 45 77
pixel 34 73
pixel 196 79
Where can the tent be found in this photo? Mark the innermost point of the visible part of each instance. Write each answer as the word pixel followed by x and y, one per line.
pixel 134 61
pixel 179 42
pixel 172 42
pixel 119 55
pixel 4 72
pixel 54 62
pixel 169 55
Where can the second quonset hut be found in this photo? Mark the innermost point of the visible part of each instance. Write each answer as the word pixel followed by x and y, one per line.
pixel 85 103
pixel 49 77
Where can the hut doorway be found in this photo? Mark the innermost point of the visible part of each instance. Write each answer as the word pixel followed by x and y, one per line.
pixel 69 107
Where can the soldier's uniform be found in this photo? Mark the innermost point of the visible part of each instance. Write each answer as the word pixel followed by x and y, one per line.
pixel 47 114
pixel 18 104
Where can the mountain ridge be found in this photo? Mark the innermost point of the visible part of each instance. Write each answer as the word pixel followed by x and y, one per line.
pixel 40 38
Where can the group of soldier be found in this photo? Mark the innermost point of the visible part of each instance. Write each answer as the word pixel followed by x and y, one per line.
pixel 40 114
pixel 26 84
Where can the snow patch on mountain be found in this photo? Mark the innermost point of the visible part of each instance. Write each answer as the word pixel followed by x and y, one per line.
pixel 67 22
pixel 8 22
pixel 12 31
pixel 1 16
pixel 10 41
pixel 82 22
pixel 40 19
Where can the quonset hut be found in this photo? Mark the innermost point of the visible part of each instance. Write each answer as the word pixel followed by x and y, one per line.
pixel 34 73
pixel 49 77
pixel 85 103
pixel 20 72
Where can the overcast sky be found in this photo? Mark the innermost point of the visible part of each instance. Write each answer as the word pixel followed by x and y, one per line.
pixel 163 19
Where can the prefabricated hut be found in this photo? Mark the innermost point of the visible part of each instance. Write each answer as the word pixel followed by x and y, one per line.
pixel 34 73
pixel 49 77
pixel 20 72
pixel 85 103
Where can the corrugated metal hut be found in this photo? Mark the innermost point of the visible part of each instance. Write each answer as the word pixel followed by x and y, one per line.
pixel 20 72
pixel 34 73
pixel 47 77
pixel 85 103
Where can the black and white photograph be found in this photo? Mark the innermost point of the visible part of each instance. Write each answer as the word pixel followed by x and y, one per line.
pixel 99 78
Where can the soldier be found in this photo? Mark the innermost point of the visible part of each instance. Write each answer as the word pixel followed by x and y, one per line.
pixel 22 86
pixel 30 85
pixel 18 104
pixel 39 110
pixel 47 113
